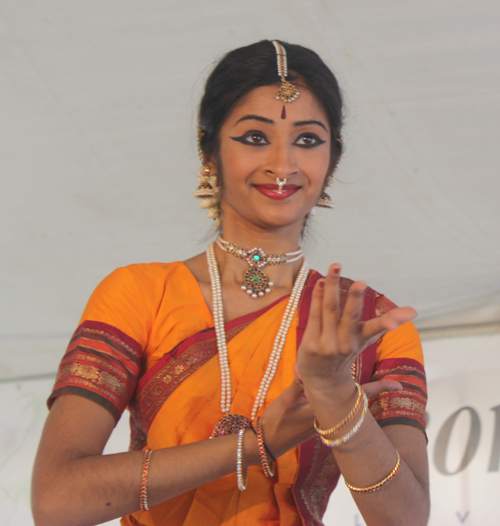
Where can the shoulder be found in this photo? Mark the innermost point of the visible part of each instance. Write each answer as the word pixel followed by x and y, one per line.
pixel 144 278
pixel 147 271
pixel 132 289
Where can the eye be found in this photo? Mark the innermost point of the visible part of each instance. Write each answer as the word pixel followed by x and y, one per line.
pixel 308 140
pixel 253 138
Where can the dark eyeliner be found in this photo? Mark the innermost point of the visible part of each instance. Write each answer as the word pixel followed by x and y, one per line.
pixel 244 138
pixel 241 139
pixel 318 141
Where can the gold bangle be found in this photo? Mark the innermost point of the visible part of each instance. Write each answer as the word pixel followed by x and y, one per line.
pixel 338 441
pixel 266 465
pixel 345 421
pixel 144 479
pixel 378 485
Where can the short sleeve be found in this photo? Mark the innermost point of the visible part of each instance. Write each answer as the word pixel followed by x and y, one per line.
pixel 399 357
pixel 103 359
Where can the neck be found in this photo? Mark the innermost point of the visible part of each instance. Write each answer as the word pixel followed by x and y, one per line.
pixel 271 238
pixel 232 267
pixel 272 241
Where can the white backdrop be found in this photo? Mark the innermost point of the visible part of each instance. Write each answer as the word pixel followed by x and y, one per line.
pixel 98 164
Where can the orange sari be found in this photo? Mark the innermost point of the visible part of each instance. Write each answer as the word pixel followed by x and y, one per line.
pixel 146 340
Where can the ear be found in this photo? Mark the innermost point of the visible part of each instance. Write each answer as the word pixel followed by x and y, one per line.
pixel 334 162
pixel 213 167
pixel 211 162
pixel 331 170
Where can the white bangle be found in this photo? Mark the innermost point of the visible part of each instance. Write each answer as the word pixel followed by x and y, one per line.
pixel 241 474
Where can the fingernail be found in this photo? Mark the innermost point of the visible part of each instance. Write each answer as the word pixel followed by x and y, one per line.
pixel 321 284
pixel 335 270
pixel 362 290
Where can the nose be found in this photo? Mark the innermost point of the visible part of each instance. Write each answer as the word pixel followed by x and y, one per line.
pixel 281 161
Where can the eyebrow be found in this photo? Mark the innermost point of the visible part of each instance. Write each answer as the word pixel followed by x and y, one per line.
pixel 307 123
pixel 270 121
pixel 255 118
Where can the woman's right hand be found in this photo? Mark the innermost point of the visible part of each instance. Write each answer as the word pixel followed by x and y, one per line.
pixel 288 420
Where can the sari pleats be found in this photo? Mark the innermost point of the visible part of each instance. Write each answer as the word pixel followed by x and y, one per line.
pixel 191 411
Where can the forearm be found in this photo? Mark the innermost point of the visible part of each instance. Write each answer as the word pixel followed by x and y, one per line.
pixel 368 460
pixel 370 455
pixel 75 485
pixel 98 488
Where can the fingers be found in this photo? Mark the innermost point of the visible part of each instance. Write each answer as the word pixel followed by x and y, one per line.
pixel 351 317
pixel 373 389
pixel 331 308
pixel 293 395
pixel 314 322
pixel 375 328
pixel 324 311
pixel 297 375
pixel 335 336
pixel 296 388
pixel 331 301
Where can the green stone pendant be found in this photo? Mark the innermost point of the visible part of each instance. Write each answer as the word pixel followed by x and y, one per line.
pixel 256 283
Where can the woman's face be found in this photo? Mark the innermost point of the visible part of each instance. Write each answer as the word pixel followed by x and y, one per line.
pixel 259 144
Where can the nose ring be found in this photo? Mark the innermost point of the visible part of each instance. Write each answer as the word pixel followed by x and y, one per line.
pixel 280 183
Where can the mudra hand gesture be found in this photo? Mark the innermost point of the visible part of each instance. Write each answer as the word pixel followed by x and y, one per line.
pixel 333 339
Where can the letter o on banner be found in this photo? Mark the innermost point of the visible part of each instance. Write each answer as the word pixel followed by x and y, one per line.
pixel 443 439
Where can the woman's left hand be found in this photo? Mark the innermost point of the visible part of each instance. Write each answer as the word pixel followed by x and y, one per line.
pixel 334 339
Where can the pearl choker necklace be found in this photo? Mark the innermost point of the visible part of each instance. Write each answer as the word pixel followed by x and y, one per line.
pixel 256 283
pixel 218 313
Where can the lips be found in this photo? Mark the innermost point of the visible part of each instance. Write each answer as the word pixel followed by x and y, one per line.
pixel 272 190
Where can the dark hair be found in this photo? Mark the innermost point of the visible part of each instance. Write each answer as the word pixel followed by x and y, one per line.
pixel 246 68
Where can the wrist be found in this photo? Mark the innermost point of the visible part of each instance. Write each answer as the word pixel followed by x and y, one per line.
pixel 251 456
pixel 331 405
pixel 340 388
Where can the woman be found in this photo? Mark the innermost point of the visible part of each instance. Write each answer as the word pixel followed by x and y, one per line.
pixel 269 372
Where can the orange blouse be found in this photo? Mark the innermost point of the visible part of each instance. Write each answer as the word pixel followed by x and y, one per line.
pixel 146 340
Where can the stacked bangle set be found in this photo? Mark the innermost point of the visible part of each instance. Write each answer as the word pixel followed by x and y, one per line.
pixel 361 400
pixel 267 466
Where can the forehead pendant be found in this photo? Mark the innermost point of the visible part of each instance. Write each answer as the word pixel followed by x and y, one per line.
pixel 287 92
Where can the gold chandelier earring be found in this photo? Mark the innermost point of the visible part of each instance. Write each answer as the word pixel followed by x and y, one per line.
pixel 208 188
pixel 325 201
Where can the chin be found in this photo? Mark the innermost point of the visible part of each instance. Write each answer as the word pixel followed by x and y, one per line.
pixel 269 218
pixel 281 221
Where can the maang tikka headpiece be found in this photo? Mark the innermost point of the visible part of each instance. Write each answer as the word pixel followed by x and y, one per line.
pixel 287 92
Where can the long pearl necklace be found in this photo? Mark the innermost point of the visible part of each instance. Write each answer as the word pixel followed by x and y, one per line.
pixel 279 342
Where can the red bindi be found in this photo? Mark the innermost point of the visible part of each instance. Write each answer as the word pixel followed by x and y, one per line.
pixel 283 112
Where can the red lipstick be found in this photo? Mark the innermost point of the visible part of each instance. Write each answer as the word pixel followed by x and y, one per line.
pixel 272 190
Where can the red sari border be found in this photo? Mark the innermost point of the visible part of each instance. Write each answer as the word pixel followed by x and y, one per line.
pixel 401 407
pixel 163 378
pixel 102 364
